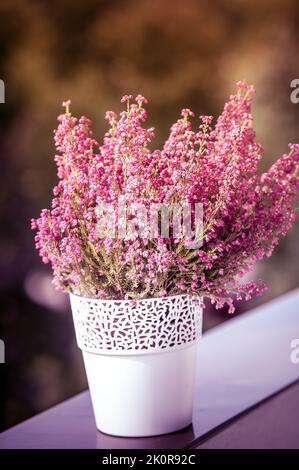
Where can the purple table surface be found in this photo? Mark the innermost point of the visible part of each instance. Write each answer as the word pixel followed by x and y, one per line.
pixel 240 364
pixel 273 424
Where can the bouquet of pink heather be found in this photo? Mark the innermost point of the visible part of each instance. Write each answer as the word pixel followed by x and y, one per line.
pixel 243 213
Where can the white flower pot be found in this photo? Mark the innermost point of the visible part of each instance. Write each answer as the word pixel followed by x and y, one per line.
pixel 140 361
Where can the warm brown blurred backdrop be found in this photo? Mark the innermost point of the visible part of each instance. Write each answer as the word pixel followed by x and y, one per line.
pixel 178 53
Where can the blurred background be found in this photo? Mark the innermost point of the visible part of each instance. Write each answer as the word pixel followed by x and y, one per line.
pixel 178 53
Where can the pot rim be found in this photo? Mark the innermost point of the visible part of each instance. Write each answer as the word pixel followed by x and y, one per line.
pixel 147 299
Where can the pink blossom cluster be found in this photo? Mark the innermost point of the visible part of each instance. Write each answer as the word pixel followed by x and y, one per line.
pixel 244 212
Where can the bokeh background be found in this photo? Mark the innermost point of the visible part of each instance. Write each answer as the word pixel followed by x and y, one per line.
pixel 178 53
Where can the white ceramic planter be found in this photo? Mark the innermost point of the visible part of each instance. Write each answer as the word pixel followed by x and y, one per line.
pixel 140 361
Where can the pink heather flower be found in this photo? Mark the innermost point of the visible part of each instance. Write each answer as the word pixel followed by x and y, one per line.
pixel 185 113
pixel 244 213
pixel 141 100
pixel 206 119
pixel 66 105
pixel 111 117
pixel 126 98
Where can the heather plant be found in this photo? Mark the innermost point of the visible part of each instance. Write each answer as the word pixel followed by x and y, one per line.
pixel 244 212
